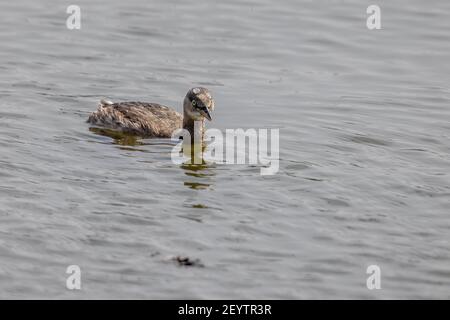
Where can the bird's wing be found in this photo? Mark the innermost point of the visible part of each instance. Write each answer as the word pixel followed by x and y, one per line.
pixel 147 119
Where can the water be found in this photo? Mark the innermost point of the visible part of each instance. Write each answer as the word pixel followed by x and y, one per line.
pixel 364 150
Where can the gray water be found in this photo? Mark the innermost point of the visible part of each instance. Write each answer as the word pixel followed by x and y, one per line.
pixel 364 119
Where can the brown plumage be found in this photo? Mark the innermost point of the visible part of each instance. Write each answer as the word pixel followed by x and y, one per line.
pixel 152 119
pixel 140 118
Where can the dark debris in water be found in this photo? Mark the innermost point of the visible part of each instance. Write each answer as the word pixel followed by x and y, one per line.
pixel 188 262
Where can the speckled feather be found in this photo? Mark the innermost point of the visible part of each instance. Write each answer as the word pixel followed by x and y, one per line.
pixel 140 118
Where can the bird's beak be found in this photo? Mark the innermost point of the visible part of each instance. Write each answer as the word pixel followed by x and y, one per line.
pixel 205 112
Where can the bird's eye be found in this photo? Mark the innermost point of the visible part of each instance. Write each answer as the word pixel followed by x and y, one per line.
pixel 194 103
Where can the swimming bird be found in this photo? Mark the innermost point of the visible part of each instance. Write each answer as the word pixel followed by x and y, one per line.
pixel 155 120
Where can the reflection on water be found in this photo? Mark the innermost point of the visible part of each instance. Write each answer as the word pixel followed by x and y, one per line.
pixel 119 137
pixel 203 172
pixel 197 185
pixel 199 206
pixel 198 170
pixel 194 165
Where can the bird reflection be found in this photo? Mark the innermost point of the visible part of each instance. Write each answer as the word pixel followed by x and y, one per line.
pixel 194 164
pixel 197 168
pixel 119 137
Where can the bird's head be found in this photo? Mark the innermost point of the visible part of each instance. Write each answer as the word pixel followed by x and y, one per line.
pixel 198 104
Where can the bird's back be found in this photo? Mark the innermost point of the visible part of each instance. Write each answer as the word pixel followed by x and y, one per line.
pixel 140 118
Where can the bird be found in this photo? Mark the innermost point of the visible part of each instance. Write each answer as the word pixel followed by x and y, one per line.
pixel 153 120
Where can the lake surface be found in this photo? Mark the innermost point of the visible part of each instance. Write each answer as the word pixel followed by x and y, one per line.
pixel 364 120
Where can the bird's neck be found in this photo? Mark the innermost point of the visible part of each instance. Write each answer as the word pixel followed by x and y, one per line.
pixel 196 128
